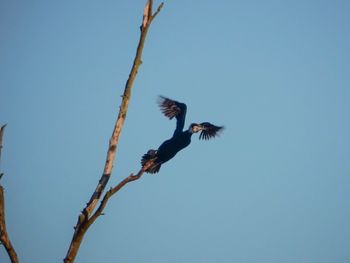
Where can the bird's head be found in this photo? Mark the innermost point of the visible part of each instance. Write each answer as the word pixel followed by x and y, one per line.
pixel 207 130
pixel 195 127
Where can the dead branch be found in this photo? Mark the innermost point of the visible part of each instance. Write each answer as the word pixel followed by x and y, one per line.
pixel 84 219
pixel 2 130
pixel 3 232
pixel 114 190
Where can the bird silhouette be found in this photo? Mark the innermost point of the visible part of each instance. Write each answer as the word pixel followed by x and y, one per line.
pixel 180 139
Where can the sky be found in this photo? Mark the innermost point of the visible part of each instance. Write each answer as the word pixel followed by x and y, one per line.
pixel 274 187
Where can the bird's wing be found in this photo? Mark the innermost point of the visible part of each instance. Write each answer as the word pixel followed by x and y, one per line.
pixel 171 108
pixel 209 130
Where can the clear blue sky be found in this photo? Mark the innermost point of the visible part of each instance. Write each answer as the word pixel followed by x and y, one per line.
pixel 275 187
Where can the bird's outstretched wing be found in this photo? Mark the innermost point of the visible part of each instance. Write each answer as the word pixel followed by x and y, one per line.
pixel 209 130
pixel 171 108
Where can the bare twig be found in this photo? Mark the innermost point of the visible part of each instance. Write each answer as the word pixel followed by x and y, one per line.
pixel 114 190
pixel 83 219
pixel 2 130
pixel 158 10
pixel 3 232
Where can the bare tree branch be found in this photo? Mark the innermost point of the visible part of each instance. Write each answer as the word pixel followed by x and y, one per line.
pixel 84 220
pixel 3 232
pixel 114 190
pixel 2 130
pixel 158 10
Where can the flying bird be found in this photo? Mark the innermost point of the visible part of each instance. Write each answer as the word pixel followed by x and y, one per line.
pixel 153 159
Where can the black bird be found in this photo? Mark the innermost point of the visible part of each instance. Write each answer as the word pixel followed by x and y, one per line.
pixel 180 139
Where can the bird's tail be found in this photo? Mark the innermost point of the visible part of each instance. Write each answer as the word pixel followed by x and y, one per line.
pixel 150 159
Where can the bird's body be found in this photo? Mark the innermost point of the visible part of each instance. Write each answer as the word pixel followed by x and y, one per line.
pixel 171 147
pixel 180 139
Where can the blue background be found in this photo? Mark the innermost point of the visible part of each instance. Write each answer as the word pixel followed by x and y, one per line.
pixel 273 188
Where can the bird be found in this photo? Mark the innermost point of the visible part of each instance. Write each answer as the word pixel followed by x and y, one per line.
pixel 153 159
